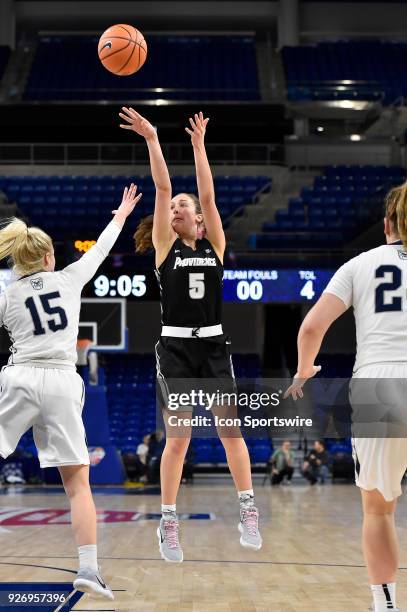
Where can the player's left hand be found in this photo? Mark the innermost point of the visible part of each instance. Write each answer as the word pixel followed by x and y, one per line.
pixel 129 201
pixel 198 125
pixel 299 380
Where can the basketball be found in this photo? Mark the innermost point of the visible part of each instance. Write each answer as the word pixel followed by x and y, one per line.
pixel 122 49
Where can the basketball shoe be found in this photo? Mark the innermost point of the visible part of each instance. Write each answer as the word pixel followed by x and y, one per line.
pixel 249 528
pixel 89 581
pixel 168 541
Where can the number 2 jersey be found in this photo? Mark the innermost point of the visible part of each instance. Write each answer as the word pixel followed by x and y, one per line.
pixel 191 285
pixel 41 311
pixel 375 284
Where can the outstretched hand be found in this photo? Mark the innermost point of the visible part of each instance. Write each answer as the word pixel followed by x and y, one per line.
pixel 137 123
pixel 198 125
pixel 295 389
pixel 129 201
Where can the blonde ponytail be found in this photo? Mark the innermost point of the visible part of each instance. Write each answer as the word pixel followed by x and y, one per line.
pixel 25 246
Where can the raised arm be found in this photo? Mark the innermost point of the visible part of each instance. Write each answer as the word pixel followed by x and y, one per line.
pixel 163 234
pixel 206 190
pixel 80 272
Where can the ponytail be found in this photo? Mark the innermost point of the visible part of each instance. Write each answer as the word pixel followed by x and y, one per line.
pixel 143 236
pixel 396 210
pixel 26 247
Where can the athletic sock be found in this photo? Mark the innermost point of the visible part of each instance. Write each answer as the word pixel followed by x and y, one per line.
pixel 169 511
pixel 246 498
pixel 88 557
pixel 384 596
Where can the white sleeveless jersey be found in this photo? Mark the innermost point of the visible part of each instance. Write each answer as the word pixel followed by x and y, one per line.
pixel 375 284
pixel 41 311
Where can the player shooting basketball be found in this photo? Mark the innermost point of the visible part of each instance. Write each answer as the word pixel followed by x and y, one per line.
pixel 189 269
pixel 40 387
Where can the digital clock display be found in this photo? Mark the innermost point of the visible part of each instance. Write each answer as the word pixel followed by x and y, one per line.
pixel 124 286
pixel 280 285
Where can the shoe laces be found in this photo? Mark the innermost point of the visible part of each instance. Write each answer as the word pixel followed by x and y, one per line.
pixel 171 533
pixel 250 518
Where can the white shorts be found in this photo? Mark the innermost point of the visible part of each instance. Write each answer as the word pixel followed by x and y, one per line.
pixel 380 463
pixel 51 402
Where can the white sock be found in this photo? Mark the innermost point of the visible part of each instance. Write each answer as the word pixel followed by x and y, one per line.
pixel 88 557
pixel 167 509
pixel 384 596
pixel 246 498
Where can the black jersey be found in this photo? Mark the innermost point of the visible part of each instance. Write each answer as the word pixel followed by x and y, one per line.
pixel 191 285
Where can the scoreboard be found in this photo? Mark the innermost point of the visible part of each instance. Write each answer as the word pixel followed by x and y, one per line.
pixel 279 285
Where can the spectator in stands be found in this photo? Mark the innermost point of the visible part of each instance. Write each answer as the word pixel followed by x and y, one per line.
pixel 142 454
pixel 282 464
pixel 142 449
pixel 135 463
pixel 315 465
pixel 155 451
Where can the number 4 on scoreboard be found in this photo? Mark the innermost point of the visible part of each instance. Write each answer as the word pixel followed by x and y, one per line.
pixel 308 290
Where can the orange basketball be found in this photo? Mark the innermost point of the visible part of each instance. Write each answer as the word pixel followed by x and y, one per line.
pixel 122 49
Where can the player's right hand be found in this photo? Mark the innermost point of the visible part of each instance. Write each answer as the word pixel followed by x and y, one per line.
pixel 299 380
pixel 129 201
pixel 137 123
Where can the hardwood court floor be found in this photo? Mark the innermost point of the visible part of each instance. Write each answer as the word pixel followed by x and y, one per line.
pixel 310 560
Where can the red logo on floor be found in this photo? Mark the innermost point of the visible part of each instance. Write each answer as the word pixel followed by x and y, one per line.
pixel 52 516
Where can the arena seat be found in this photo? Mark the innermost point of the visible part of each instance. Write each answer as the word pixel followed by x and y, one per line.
pixel 132 415
pixel 200 68
pixel 342 202
pixel 352 70
pixel 65 205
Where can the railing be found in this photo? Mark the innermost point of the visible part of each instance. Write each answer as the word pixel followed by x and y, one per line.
pixel 119 153
pixel 256 197
pixel 163 94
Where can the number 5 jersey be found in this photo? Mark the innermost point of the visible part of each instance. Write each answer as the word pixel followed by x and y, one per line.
pixel 191 285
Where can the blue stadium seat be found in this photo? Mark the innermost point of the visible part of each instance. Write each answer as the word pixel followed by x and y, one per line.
pixel 316 71
pixel 216 74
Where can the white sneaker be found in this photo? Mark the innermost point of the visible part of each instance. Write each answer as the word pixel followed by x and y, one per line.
pixel 89 581
pixel 168 541
pixel 249 528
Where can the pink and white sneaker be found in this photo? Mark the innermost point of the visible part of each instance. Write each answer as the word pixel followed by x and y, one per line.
pixel 249 528
pixel 168 541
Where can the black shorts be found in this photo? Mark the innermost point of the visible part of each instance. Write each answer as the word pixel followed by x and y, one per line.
pixel 208 361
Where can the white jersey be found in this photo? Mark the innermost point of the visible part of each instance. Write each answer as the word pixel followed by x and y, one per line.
pixel 375 284
pixel 41 311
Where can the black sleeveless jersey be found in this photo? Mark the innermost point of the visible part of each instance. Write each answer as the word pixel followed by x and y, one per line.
pixel 191 285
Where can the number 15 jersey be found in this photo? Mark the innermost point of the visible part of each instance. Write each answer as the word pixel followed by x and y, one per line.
pixel 41 311
pixel 375 284
pixel 191 285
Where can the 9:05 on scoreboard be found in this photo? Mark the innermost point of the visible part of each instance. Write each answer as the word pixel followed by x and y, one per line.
pixel 288 285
